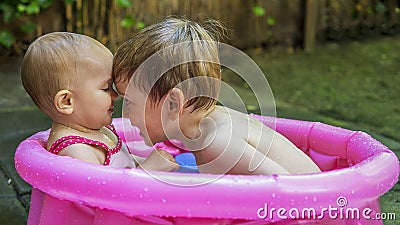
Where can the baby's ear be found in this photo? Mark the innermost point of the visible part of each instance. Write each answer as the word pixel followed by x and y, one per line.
pixel 63 102
pixel 174 103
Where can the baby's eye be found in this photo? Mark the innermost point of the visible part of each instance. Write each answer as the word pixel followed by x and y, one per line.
pixel 108 88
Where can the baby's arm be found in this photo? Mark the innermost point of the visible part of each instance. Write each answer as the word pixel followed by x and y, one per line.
pixel 159 160
pixel 84 152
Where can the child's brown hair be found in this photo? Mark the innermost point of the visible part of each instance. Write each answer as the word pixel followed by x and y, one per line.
pixel 181 51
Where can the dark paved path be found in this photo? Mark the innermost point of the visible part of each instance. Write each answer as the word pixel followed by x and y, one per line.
pixel 19 119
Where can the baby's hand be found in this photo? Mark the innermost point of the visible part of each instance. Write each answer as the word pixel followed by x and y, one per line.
pixel 160 160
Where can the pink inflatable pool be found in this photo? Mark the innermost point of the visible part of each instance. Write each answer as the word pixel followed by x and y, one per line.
pixel 357 170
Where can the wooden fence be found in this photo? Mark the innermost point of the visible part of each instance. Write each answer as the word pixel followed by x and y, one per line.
pixel 253 23
pixel 247 29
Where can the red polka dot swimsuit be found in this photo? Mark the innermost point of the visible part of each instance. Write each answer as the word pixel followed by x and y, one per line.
pixel 66 141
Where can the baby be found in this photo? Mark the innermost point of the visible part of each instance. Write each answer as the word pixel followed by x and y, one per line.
pixel 68 76
pixel 169 76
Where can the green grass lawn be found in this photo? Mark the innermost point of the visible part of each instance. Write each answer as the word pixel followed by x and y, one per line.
pixel 353 82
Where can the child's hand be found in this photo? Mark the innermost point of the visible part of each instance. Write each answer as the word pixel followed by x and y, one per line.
pixel 160 160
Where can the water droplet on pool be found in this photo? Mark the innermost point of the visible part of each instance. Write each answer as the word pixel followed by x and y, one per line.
pixel 89 177
pixel 163 200
pixel 188 213
pixel 275 177
pixel 273 195
pixel 315 199
pixel 145 189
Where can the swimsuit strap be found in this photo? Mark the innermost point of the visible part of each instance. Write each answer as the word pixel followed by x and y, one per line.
pixel 112 128
pixel 117 147
pixel 66 141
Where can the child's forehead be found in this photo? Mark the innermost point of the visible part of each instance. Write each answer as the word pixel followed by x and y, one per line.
pixel 133 92
pixel 121 85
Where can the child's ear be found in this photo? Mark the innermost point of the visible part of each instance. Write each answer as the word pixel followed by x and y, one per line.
pixel 63 102
pixel 174 103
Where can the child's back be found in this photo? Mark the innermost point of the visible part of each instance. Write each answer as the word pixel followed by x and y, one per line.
pixel 237 143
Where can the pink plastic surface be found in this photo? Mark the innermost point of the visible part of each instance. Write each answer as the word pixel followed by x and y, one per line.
pixel 356 168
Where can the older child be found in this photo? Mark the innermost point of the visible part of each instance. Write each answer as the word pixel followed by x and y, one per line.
pixel 169 76
pixel 68 76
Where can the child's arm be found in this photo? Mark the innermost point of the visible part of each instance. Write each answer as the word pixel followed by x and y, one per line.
pixel 237 156
pixel 254 162
pixel 159 160
pixel 138 159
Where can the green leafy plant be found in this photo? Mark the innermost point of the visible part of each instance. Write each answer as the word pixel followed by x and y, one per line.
pixel 124 3
pixel 129 21
pixel 11 10
pixel 259 11
pixel 6 38
pixel 270 21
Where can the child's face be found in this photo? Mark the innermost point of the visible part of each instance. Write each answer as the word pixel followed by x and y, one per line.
pixel 141 113
pixel 93 92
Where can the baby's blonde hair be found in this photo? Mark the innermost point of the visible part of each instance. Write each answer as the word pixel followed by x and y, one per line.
pixel 170 42
pixel 49 65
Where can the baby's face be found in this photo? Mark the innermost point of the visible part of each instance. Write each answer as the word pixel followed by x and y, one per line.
pixel 93 91
pixel 142 114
